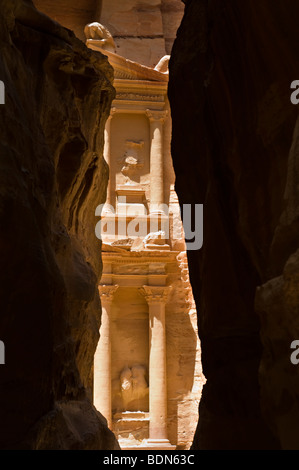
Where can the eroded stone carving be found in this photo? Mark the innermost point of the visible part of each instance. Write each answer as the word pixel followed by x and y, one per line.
pixel 98 35
pixel 131 164
pixel 141 269
pixel 138 96
pixel 162 65
pixel 155 238
pixel 131 161
pixel 134 387
pixel 126 384
pixel 156 294
pixel 107 292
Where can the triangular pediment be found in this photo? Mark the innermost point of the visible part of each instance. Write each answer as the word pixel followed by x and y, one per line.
pixel 128 70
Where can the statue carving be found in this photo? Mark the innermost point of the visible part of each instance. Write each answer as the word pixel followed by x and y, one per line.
pixel 139 383
pixel 98 35
pixel 162 65
pixel 134 388
pixel 155 238
pixel 131 162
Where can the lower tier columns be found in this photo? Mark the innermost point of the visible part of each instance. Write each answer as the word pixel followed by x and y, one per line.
pixel 102 358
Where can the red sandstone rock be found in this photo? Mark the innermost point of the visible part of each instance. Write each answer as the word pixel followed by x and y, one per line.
pixel 52 176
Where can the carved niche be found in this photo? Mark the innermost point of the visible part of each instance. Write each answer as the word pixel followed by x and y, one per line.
pixel 133 390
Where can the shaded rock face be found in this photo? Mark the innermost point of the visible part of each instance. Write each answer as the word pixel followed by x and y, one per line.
pixel 72 15
pixel 235 150
pixel 52 177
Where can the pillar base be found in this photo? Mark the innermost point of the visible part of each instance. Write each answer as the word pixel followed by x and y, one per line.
pixel 149 444
pixel 160 444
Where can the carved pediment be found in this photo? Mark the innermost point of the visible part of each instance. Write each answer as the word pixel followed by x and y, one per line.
pixel 127 69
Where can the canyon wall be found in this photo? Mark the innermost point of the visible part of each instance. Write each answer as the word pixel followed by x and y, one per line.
pixel 235 150
pixel 72 15
pixel 58 96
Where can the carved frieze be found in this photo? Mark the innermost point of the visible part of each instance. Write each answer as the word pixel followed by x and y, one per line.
pixel 139 97
pixel 141 269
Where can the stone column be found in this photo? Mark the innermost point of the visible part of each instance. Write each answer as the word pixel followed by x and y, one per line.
pixel 156 119
pixel 107 156
pixel 102 358
pixel 156 298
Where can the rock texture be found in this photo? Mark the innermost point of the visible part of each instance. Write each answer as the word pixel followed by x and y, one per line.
pixel 143 31
pixel 52 177
pixel 72 15
pixel 172 13
pixel 235 149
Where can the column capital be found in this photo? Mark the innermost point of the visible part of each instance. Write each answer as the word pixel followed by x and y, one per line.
pixel 113 111
pixel 154 115
pixel 156 294
pixel 107 292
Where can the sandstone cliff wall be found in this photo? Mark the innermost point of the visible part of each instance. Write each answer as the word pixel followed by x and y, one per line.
pixel 52 176
pixel 235 149
pixel 72 15
pixel 143 31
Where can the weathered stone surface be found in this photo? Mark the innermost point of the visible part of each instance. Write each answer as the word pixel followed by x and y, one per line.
pixel 72 15
pixel 172 12
pixel 144 31
pixel 137 29
pixel 52 176
pixel 277 303
pixel 72 425
pixel 233 122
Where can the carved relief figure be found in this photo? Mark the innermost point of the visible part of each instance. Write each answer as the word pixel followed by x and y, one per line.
pixel 155 238
pixel 126 385
pixel 162 65
pixel 131 161
pixel 98 35
pixel 138 379
pixel 134 388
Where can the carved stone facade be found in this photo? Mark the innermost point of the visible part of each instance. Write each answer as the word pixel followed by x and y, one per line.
pixel 146 402
pixel 148 357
